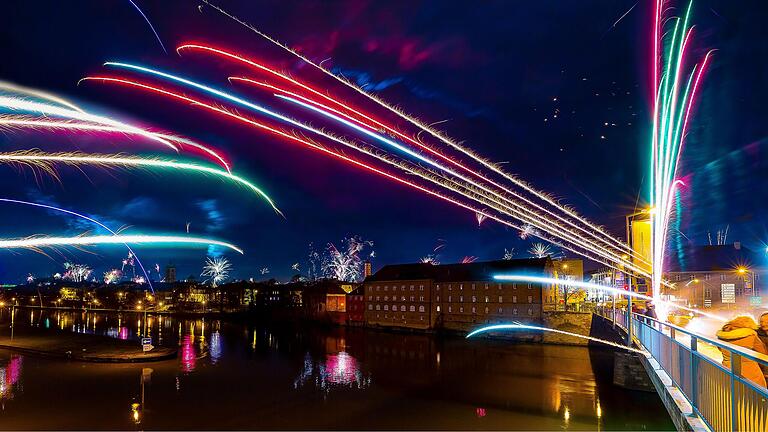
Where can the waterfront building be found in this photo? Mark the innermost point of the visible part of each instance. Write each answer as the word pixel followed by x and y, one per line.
pixel 356 306
pixel 454 296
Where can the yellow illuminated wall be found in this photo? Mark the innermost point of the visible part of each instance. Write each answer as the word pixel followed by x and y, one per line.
pixel 641 243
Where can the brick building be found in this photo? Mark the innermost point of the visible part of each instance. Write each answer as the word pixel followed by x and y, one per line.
pixel 454 296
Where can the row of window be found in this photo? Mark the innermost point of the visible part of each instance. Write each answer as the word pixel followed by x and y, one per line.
pixel 394 298
pixel 396 308
pixel 450 299
pixel 461 286
pixel 402 287
pixel 708 276
pixel 487 310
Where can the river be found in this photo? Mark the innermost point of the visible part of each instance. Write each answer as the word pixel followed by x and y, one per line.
pixel 232 375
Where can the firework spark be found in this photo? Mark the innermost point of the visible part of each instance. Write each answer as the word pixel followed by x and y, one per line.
pixel 76 272
pixel 216 270
pixel 45 161
pixel 113 276
pixel 540 250
pixel 81 216
pixel 673 101
pixel 345 265
pixel 157 36
pixel 480 217
pixel 139 239
pixel 509 253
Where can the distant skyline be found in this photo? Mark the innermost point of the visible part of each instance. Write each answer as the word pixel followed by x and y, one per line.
pixel 553 90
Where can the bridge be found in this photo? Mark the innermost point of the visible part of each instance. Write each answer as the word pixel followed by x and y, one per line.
pixel 687 371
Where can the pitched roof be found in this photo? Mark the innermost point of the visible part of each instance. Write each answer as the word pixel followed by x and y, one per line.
pixel 476 271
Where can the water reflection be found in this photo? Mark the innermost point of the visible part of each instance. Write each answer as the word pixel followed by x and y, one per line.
pixel 233 369
pixel 10 377
pixel 339 369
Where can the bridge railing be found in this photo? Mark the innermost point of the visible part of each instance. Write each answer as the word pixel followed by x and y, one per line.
pixel 718 393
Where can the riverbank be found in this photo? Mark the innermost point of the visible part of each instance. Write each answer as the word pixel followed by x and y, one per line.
pixel 79 347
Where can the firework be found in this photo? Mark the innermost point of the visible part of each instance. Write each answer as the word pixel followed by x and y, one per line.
pixel 25 122
pixel 509 253
pixel 540 250
pixel 113 276
pixel 40 242
pixel 45 161
pixel 264 271
pixel 81 216
pixel 468 259
pixel 75 272
pixel 602 255
pixel 616 243
pixel 345 265
pixel 527 231
pixel 674 96
pixel 216 270
pixel 30 278
pixel 295 267
pixel 480 217
pixel 157 36
pixel 35 93
pixel 430 259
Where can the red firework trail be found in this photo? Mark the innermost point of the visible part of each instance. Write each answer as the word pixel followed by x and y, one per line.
pixel 607 240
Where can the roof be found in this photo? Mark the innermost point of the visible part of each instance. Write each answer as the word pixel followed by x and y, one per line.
pixel 476 271
pixel 716 258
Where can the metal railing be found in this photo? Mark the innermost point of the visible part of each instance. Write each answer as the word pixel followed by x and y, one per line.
pixel 721 396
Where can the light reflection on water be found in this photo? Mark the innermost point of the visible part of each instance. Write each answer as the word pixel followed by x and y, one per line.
pixel 258 376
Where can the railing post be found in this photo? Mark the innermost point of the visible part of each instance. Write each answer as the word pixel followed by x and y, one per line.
pixel 694 372
pixel 735 372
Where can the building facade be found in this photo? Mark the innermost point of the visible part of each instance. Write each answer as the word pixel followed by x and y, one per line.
pixel 454 296
pixel 718 277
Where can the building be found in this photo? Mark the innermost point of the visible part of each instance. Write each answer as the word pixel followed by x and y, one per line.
pixel 170 274
pixel 454 296
pixel 718 277
pixel 556 296
pixel 356 306
pixel 367 269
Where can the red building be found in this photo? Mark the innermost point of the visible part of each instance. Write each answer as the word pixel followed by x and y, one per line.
pixel 356 307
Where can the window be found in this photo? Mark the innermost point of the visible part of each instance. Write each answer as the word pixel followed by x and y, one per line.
pixel 514 299
pixel 722 277
pixel 421 308
pixel 421 287
pixel 474 299
pixel 677 277
pixel 370 297
pixel 530 286
pixel 499 286
pixel 486 286
pixel 461 299
pixel 473 286
pixel 450 309
pixel 412 298
pixel 386 298
pixel 707 293
pixel 402 287
pixel 386 287
pixel 402 298
pixel 486 299
pixel 473 309
pixel 461 309
pixel 378 307
pixel 450 287
pixel 530 312
pixel 707 276
pixel 499 299
pixel 377 288
pixel 370 307
pixel 421 298
pixel 486 310
pixel 514 311
pixel 412 308
pixel 438 308
pixel 692 277
pixel 461 287
pixel 412 287
pixel 437 287
pixel 386 307
pixel 499 310
pixel 449 299
pixel 530 299
pixel 378 298
pixel 438 298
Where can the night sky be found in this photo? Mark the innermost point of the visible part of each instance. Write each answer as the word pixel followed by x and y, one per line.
pixel 496 72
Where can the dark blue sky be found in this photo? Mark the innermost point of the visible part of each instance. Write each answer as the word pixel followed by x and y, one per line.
pixel 493 70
